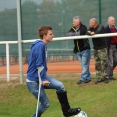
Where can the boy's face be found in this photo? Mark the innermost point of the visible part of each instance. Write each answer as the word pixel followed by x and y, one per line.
pixel 49 36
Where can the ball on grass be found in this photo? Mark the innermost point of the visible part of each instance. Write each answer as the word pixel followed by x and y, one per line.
pixel 81 114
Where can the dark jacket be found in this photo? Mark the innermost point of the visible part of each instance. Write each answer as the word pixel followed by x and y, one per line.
pixel 99 43
pixel 79 44
pixel 107 30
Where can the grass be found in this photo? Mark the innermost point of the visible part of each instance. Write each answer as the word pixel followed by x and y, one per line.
pixel 96 100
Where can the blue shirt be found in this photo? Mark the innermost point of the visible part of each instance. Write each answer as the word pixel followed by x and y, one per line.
pixel 37 58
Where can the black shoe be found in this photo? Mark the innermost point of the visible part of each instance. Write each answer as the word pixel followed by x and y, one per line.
pixel 73 111
pixel 98 81
pixel 79 82
pixel 106 80
pixel 87 81
pixel 111 78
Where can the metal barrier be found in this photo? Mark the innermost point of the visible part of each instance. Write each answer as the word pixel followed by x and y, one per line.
pixel 54 39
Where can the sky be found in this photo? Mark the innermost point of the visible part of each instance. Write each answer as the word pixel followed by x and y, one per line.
pixel 10 4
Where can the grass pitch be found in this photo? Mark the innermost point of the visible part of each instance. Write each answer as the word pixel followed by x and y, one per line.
pixel 96 100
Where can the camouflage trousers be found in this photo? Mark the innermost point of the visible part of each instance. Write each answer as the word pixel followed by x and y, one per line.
pixel 101 61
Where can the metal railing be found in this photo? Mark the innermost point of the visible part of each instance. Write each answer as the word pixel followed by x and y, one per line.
pixel 7 43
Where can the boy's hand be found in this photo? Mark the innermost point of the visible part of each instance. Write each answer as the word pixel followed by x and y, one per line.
pixel 46 83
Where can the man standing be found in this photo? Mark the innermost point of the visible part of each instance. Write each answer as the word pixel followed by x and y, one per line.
pixel 112 47
pixel 81 48
pixel 37 60
pixel 100 50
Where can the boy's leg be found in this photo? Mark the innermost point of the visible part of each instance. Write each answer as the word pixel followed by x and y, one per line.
pixel 33 87
pixel 62 96
pixel 67 110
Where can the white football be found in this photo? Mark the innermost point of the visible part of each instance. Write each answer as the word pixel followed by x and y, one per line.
pixel 81 114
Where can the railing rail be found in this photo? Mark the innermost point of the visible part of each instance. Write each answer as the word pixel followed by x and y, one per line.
pixel 54 39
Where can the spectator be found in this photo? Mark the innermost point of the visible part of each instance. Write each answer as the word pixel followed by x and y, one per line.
pixel 112 47
pixel 100 50
pixel 81 48
pixel 37 59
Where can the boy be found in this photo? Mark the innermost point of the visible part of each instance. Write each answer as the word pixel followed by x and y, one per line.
pixel 37 59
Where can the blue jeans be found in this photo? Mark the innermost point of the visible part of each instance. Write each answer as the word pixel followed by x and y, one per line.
pixel 84 58
pixel 33 87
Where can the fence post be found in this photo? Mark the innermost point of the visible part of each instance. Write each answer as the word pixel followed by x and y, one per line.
pixel 19 40
pixel 100 15
pixel 7 62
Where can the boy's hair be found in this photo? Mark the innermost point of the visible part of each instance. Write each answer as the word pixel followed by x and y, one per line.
pixel 43 30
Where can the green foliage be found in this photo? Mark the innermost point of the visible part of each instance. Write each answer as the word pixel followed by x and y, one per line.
pixel 96 100
pixel 56 13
